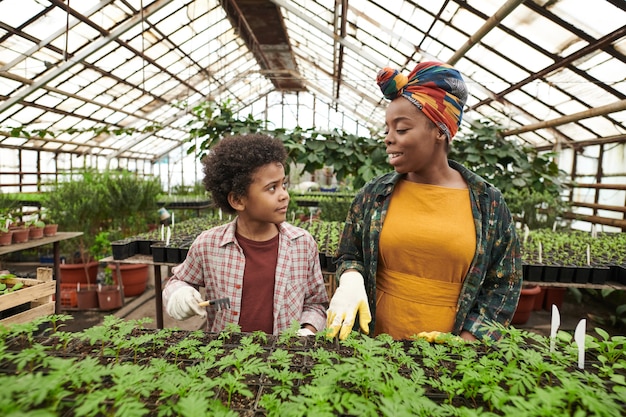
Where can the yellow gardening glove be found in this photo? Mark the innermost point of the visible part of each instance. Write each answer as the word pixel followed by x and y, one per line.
pixel 349 299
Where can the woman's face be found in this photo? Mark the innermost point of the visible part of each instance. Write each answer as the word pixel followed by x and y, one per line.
pixel 412 140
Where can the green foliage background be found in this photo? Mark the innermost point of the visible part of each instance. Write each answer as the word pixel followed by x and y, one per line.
pixel 119 202
pixel 530 181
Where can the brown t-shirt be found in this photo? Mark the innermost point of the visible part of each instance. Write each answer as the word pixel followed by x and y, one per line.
pixel 257 299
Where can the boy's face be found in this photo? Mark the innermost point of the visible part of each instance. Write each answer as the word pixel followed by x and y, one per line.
pixel 267 198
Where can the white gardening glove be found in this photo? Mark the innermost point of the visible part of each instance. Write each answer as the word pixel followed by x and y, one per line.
pixel 305 332
pixel 183 303
pixel 349 298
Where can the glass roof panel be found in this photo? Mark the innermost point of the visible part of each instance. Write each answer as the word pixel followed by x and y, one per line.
pixel 515 70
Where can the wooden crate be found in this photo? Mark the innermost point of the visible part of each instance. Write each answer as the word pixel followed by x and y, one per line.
pixel 37 292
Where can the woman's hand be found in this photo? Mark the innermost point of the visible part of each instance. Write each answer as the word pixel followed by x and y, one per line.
pixel 349 299
pixel 465 335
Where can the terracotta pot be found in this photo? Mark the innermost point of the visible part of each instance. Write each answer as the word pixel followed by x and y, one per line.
pixel 526 304
pixel 134 278
pixel 75 273
pixel 6 238
pixel 87 297
pixel 109 297
pixel 20 235
pixel 35 232
pixel 50 229
pixel 554 296
pixel 539 299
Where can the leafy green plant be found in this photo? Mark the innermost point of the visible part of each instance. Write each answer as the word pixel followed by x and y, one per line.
pixel 229 330
pixel 233 383
pixel 8 287
pixel 92 202
pixel 101 247
pixel 286 381
pixel 610 348
pixel 531 182
pixel 183 348
pixel 334 209
pixel 517 374
pixel 290 337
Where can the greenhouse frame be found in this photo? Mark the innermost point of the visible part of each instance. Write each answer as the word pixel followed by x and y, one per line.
pixel 74 73
pixel 129 286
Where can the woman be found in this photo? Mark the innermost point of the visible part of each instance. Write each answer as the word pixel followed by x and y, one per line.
pixel 431 246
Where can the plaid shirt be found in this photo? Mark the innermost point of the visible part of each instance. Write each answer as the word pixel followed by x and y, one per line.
pixel 216 262
pixel 493 283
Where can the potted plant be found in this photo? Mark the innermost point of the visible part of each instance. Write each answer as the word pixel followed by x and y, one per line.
pixel 91 201
pixel 87 293
pixel 35 229
pixel 20 232
pixel 50 227
pixel 134 277
pixel 109 291
pixel 81 267
pixel 6 234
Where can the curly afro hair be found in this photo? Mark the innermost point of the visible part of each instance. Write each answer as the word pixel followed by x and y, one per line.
pixel 230 165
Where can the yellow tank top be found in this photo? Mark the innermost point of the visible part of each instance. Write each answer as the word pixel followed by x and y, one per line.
pixel 427 244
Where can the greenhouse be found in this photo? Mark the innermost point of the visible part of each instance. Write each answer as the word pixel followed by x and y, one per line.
pixel 460 164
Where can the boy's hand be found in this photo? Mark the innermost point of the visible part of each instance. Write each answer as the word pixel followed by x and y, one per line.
pixel 183 303
pixel 303 332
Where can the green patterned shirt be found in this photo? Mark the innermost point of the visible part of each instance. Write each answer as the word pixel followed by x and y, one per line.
pixel 493 283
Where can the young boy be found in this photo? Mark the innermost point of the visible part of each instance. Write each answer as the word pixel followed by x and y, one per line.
pixel 268 268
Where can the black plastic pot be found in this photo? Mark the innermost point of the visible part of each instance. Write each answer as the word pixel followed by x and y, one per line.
pixel 600 274
pixel 123 249
pixel 331 266
pixel 567 273
pixel 583 275
pixel 158 251
pixel 533 272
pixel 618 274
pixel 172 254
pixel 551 273
pixel 144 246
pixel 322 257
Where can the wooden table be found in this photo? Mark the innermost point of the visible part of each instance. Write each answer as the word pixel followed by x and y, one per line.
pixel 60 236
pixel 158 284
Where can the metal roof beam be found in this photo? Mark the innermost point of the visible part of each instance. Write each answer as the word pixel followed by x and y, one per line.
pixel 491 23
pixel 324 30
pixel 593 112
pixel 583 143
pixel 78 58
pixel 47 42
pixel 592 47
pixel 14 77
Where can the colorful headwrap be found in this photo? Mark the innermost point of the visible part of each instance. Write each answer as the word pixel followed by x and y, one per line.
pixel 437 89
